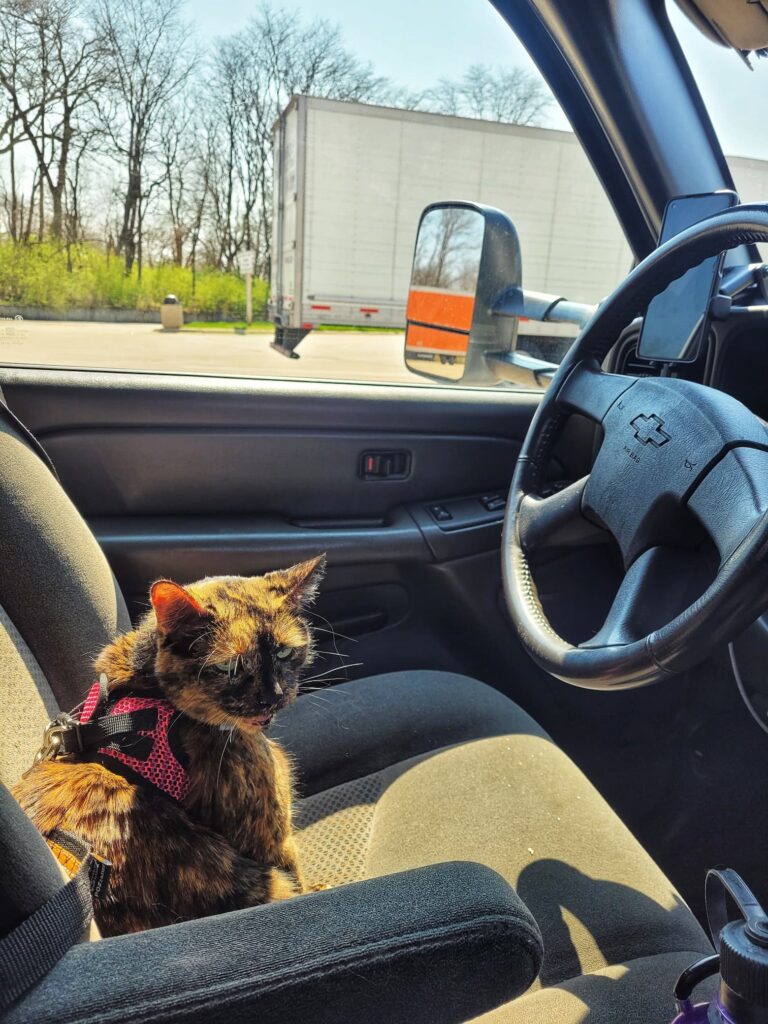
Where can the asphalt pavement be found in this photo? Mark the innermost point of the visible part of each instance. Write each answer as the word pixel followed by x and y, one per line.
pixel 324 355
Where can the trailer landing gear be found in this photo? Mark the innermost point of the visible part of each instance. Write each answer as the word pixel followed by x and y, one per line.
pixel 287 338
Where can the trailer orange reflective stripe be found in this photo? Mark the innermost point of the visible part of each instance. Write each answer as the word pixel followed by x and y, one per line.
pixel 441 307
pixel 432 339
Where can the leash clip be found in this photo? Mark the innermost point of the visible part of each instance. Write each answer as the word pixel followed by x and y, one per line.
pixel 54 734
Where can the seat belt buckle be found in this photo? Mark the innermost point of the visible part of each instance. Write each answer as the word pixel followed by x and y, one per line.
pixel 57 733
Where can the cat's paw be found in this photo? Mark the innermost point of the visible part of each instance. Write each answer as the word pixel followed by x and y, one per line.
pixel 317 887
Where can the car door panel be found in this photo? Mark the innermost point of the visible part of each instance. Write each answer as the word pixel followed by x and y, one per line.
pixel 193 476
pixel 139 548
pixel 302 475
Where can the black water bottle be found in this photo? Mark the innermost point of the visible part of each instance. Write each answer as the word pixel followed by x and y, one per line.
pixel 742 944
pixel 743 995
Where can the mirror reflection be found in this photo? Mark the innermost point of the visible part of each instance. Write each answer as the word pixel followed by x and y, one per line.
pixel 441 300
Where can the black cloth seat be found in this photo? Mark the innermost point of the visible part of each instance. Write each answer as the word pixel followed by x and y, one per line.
pixel 416 768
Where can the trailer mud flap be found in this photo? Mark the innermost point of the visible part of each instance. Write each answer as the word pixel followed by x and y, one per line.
pixel 287 339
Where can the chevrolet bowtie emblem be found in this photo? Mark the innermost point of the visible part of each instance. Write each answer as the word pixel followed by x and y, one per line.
pixel 648 430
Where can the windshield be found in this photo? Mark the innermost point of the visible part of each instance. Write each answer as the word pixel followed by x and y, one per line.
pixel 235 189
pixel 734 94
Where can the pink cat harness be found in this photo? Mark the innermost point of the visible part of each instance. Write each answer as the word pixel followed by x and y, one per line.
pixel 133 737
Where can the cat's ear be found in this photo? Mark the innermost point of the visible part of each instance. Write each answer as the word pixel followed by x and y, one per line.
pixel 175 608
pixel 300 582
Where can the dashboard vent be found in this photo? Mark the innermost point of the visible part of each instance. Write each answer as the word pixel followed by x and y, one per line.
pixel 633 365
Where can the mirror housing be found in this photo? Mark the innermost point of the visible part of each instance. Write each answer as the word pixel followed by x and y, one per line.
pixel 467 256
pixel 466 300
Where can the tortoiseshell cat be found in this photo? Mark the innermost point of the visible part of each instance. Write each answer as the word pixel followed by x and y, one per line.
pixel 196 821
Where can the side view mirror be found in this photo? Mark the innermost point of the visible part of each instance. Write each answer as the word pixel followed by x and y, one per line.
pixel 466 299
pixel 466 254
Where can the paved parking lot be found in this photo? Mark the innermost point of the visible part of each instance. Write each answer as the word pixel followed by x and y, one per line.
pixel 325 355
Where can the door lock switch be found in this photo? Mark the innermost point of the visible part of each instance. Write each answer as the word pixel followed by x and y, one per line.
pixel 439 513
pixel 493 502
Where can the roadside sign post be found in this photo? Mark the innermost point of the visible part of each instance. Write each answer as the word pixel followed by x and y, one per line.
pixel 246 264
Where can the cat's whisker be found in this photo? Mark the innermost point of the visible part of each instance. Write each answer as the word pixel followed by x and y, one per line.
pixel 176 718
pixel 319 675
pixel 221 759
pixel 334 635
pixel 331 630
pixel 334 632
pixel 325 684
pixel 203 636
pixel 205 664
pixel 321 707
pixel 314 690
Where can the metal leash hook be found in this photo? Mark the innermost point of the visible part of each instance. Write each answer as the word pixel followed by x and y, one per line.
pixel 52 736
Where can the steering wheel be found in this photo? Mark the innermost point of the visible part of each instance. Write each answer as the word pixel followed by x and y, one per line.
pixel 680 482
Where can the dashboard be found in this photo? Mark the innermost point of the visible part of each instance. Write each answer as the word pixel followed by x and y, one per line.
pixel 734 356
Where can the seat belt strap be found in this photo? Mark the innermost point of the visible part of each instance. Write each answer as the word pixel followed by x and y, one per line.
pixel 36 945
pixel 12 420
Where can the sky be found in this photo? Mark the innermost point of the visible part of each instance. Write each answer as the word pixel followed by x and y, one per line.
pixel 416 42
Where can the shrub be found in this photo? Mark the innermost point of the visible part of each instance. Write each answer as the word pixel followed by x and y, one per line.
pixel 37 275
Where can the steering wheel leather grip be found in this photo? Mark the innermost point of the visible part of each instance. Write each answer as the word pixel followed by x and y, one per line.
pixel 681 476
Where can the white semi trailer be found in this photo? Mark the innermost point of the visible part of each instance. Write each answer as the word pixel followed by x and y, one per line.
pixel 352 179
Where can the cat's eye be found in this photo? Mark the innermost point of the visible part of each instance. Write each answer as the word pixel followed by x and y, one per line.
pixel 283 652
pixel 224 666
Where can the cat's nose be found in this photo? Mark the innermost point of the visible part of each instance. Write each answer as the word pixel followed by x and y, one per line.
pixel 270 699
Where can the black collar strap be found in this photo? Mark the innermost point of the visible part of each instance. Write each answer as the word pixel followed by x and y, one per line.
pixel 77 739
pixel 65 735
pixel 132 737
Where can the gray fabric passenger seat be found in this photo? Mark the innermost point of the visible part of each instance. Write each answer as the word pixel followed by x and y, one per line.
pixel 397 773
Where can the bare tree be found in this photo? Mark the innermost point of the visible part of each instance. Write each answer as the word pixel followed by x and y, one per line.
pixel 448 250
pixel 513 97
pixel 253 76
pixel 237 121
pixel 10 58
pixel 14 65
pixel 300 57
pixel 150 56
pixel 105 135
pixel 49 80
pixel 183 188
pixel 77 75
pixel 80 168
